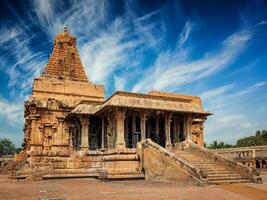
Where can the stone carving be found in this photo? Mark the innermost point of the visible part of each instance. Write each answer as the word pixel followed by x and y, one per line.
pixel 197 134
pixel 111 135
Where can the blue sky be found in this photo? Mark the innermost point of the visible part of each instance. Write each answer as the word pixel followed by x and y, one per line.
pixel 213 49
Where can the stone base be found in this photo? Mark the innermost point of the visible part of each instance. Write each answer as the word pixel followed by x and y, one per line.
pixel 116 163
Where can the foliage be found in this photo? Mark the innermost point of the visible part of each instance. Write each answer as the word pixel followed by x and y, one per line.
pixel 7 147
pixel 260 138
pixel 219 145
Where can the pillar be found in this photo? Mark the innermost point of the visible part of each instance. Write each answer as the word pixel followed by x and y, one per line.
pixel 143 118
pixel 33 129
pixel 36 136
pixel 168 143
pixel 119 118
pixel 71 131
pixel 189 122
pixel 157 129
pixel 174 131
pixel 85 133
pixel 133 131
pixel 103 132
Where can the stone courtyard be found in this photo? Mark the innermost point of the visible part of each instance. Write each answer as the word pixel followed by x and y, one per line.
pixel 87 188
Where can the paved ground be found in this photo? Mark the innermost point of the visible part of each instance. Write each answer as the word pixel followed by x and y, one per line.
pixel 69 189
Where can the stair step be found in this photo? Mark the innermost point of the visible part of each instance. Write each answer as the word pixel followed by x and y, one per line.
pixel 204 162
pixel 217 173
pixel 81 175
pixel 215 169
pixel 223 175
pixel 209 166
pixel 126 176
pixel 220 172
pixel 212 168
pixel 226 178
pixel 218 182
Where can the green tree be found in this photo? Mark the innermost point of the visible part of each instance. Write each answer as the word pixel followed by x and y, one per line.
pixel 260 138
pixel 219 145
pixel 7 147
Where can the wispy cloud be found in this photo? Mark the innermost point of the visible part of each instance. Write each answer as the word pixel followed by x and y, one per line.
pixel 169 73
pixel 119 83
pixel 108 52
pixel 107 43
pixel 216 91
pixel 252 88
pixel 234 117
pixel 12 113
pixel 8 34
pixel 185 33
pixel 262 23
pixel 19 61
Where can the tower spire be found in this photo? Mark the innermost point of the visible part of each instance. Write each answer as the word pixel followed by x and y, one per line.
pixel 65 62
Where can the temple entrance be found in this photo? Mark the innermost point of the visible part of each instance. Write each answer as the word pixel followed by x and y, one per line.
pixel 181 131
pixel 95 132
pixel 128 135
pixel 151 129
pixel 257 164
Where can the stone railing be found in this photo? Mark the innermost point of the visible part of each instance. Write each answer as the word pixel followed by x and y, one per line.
pixel 196 173
pixel 238 153
pixel 246 154
pixel 245 171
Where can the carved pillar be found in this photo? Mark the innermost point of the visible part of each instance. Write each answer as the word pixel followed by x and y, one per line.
pixel 157 129
pixel 71 137
pixel 260 161
pixel 36 133
pixel 85 133
pixel 143 118
pixel 168 131
pixel 119 118
pixel 103 132
pixel 188 131
pixel 111 131
pixel 33 129
pixel 133 131
pixel 58 135
pixel 174 131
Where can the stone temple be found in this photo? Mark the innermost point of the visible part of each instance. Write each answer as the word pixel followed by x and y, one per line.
pixel 71 130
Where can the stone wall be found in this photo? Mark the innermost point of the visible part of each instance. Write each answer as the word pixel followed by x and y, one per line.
pixel 161 168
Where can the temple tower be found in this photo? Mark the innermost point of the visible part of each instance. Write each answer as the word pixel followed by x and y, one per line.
pixel 61 87
pixel 65 62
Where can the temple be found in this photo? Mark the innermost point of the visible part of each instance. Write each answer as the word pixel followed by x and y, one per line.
pixel 71 130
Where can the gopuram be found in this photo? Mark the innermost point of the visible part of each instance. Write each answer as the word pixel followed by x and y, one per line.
pixel 71 130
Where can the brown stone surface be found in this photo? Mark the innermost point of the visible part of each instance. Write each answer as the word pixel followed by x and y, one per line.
pixel 65 62
pixel 80 189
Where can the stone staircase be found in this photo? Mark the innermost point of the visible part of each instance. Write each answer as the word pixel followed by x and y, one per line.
pixel 216 172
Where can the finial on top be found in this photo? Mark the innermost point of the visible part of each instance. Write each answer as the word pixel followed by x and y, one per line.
pixel 66 28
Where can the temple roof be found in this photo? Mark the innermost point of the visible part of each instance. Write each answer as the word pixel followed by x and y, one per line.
pixel 65 62
pixel 144 102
